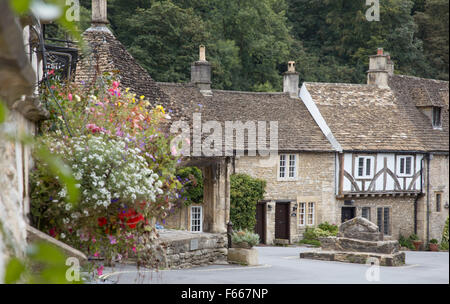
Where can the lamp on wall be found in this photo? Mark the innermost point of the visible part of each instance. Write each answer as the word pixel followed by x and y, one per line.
pixel 269 207
pixel 446 205
pixel 294 208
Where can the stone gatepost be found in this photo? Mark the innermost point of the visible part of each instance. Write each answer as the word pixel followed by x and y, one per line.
pixel 270 223
pixel 216 196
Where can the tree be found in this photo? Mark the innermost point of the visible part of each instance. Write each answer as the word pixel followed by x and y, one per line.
pixel 433 24
pixel 164 39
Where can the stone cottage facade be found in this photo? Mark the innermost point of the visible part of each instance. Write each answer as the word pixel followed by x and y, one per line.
pixel 20 69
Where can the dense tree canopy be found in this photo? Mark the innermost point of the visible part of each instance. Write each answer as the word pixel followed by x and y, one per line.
pixel 250 41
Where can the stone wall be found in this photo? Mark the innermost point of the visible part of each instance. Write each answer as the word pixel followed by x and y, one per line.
pixel 15 162
pixel 315 183
pixel 401 214
pixel 439 183
pixel 183 249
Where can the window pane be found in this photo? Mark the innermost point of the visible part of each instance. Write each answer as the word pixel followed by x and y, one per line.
pixel 408 161
pixel 380 218
pixel 402 165
pixel 438 202
pixel 361 166
pixel 302 214
pixel 386 221
pixel 282 166
pixel 366 213
pixel 292 166
pixel 368 166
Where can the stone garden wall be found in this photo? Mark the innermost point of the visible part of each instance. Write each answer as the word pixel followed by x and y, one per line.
pixel 183 249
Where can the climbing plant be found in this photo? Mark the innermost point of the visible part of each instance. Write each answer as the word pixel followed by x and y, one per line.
pixel 245 193
pixel 444 241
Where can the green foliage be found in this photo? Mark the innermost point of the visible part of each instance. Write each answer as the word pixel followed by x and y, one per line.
pixel 245 193
pixel 434 241
pixel 43 264
pixel 3 112
pixel 243 237
pixel 444 241
pixel 329 227
pixel 323 230
pixel 192 180
pixel 406 242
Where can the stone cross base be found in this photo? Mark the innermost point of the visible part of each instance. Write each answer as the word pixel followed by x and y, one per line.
pixel 395 259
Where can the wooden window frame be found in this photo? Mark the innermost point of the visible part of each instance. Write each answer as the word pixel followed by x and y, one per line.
pixel 372 167
pixel 200 219
pixel 436 114
pixel 302 211
pixel 398 166
pixel 313 214
pixel 287 167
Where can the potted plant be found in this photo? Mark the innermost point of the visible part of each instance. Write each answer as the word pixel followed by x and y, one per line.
pixel 434 245
pixel 244 239
pixel 416 241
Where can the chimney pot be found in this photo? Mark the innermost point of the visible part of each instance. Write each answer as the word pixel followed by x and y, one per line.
pixel 291 66
pixel 202 53
pixel 291 80
pixel 380 51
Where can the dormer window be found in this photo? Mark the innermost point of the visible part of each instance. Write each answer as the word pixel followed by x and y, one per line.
pixel 437 122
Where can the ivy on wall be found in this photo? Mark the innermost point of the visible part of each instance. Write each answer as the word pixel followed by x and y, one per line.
pixel 245 193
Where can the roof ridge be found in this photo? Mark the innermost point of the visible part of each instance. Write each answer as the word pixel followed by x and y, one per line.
pixel 250 93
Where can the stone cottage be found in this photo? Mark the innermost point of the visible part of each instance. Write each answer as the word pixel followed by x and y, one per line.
pixel 344 150
pixel 20 70
pixel 392 165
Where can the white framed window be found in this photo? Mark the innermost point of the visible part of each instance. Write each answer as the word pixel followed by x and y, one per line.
pixel 365 166
pixel 301 214
pixel 196 218
pixel 311 213
pixel 405 165
pixel 287 167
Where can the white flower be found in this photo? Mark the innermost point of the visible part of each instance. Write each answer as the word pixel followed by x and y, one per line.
pixel 63 236
pixel 68 207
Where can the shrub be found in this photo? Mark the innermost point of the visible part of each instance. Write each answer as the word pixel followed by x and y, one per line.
pixel 434 241
pixel 405 242
pixel 192 180
pixel 334 229
pixel 245 193
pixel 245 236
pixel 324 230
pixel 444 241
pixel 414 237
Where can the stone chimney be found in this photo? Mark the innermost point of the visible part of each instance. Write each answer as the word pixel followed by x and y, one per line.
pixel 291 80
pixel 379 68
pixel 390 65
pixel 99 13
pixel 201 73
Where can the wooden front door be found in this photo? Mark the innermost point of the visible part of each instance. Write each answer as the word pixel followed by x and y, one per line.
pixel 282 221
pixel 260 227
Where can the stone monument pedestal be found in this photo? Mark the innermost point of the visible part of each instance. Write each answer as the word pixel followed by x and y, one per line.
pixel 358 241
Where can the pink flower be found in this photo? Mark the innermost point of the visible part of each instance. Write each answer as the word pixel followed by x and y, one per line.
pixel 70 97
pixel 115 84
pixel 93 128
pixel 134 249
pixel 100 270
pixel 174 151
pixel 96 254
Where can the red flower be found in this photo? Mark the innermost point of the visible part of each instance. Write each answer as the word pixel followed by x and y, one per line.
pixel 102 221
pixel 133 221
